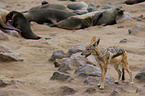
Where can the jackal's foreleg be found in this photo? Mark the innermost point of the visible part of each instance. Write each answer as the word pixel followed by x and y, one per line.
pixel 101 68
pixel 103 75
pixel 118 71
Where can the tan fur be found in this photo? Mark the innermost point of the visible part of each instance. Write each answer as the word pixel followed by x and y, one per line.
pixel 104 56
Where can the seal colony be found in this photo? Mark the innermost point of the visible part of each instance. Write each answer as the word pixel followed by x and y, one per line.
pixel 104 17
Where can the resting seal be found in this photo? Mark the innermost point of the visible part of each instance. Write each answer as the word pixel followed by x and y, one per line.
pixel 49 16
pixel 45 4
pixel 3 24
pixel 104 17
pixel 20 22
pixel 130 2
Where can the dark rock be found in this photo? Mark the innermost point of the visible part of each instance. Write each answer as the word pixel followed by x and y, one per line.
pixel 76 49
pixel 67 90
pixel 141 74
pixel 134 30
pixel 88 70
pixel 91 90
pixel 57 54
pixel 59 76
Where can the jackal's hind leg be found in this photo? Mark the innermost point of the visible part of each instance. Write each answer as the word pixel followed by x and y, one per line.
pixel 126 67
pixel 119 73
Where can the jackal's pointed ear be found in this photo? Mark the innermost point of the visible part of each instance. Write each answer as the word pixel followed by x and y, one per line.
pixel 93 39
pixel 97 42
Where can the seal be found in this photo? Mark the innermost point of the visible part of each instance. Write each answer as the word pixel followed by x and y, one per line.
pixel 49 16
pixel 130 2
pixel 103 17
pixel 3 25
pixel 20 22
pixel 45 4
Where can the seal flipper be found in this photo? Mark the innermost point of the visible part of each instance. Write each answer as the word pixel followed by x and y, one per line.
pixel 96 18
pixel 8 27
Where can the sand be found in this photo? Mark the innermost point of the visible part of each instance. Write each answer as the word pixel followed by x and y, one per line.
pixel 36 70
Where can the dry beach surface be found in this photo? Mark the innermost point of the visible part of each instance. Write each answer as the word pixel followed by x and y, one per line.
pixel 36 70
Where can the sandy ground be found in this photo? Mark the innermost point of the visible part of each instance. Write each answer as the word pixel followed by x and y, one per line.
pixel 36 70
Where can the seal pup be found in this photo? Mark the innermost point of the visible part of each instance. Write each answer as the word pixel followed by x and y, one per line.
pixel 20 22
pixel 49 16
pixel 103 17
pixel 3 25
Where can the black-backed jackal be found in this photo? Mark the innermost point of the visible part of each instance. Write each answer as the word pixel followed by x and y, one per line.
pixel 112 55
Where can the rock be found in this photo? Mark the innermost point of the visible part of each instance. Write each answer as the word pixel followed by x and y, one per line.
pixel 3 36
pixel 141 74
pixel 6 54
pixel 90 90
pixel 78 6
pixel 123 40
pixel 125 16
pixel 67 90
pixel 76 49
pixel 88 70
pixel 60 76
pixel 57 54
pixel 6 82
pixel 66 66
pixel 118 91
pixel 95 80
pixel 72 63
pixel 59 62
pixel 91 7
pixel 134 30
